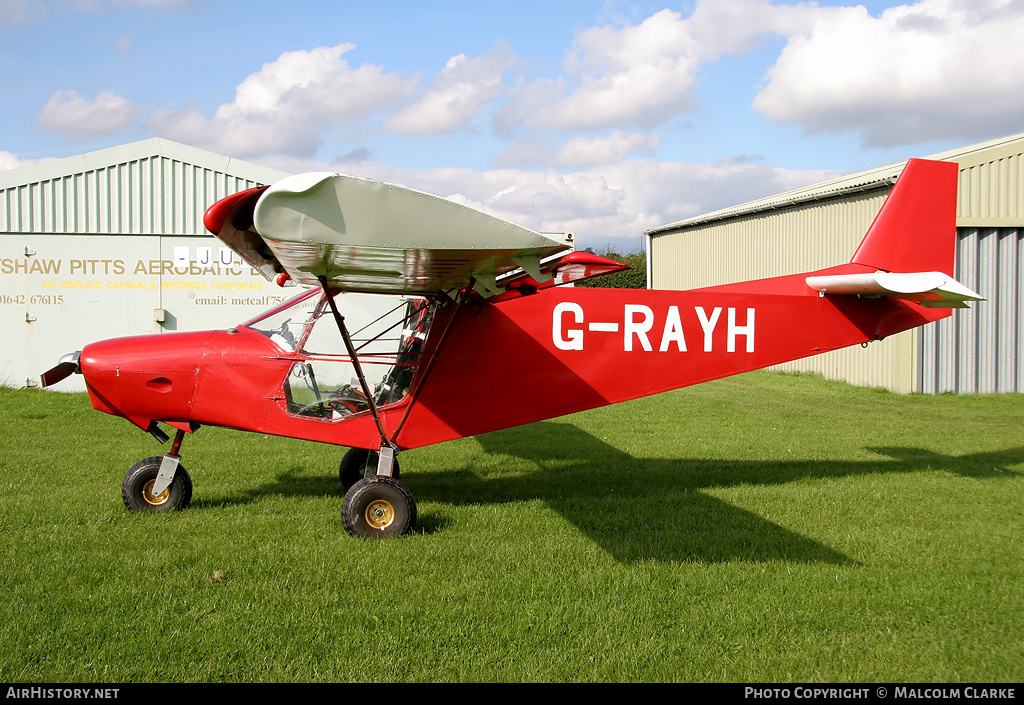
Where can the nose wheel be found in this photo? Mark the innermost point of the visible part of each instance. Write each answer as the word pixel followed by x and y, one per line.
pixel 158 484
pixel 137 490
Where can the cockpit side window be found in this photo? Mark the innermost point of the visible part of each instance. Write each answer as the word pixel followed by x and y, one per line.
pixel 387 333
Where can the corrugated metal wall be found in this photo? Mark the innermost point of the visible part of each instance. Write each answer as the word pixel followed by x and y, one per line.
pixel 802 238
pixel 107 244
pixel 981 349
pixel 146 196
pixel 797 239
pixel 991 191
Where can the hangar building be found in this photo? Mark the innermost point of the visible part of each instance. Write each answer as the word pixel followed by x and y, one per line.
pixel 980 349
pixel 110 244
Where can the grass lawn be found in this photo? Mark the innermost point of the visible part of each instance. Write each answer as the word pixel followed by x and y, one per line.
pixel 764 528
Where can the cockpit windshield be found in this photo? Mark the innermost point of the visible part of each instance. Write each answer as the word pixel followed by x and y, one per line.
pixel 284 323
pixel 386 331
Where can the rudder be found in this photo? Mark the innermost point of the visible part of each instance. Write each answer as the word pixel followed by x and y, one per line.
pixel 915 230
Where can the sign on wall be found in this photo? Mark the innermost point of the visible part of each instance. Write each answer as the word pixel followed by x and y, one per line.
pixel 61 292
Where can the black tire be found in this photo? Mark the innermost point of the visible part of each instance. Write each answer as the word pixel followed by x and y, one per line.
pixel 359 463
pixel 135 488
pixel 378 506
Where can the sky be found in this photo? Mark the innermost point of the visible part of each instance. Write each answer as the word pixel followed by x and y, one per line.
pixel 600 118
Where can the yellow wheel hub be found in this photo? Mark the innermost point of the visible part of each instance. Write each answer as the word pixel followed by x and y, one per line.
pixel 155 500
pixel 380 514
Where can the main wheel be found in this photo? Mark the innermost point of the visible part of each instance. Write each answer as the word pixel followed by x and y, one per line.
pixel 138 485
pixel 359 463
pixel 378 506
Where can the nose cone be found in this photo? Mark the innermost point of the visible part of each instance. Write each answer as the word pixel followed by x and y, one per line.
pixel 145 378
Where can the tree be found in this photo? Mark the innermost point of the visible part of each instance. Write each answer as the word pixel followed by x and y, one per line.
pixel 635 278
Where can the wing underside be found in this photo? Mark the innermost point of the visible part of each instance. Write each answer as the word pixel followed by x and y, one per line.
pixel 370 236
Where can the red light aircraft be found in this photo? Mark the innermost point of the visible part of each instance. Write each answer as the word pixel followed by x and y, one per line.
pixel 425 321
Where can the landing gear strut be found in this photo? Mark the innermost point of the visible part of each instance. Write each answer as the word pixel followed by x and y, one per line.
pixel 359 463
pixel 379 504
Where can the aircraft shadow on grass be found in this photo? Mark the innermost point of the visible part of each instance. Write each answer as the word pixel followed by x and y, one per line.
pixel 648 509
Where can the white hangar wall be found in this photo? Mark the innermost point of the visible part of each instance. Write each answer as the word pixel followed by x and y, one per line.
pixel 110 244
pixel 980 349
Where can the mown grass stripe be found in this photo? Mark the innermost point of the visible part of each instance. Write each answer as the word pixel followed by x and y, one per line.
pixel 764 528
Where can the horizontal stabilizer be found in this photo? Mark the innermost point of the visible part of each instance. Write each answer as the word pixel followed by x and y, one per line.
pixel 929 289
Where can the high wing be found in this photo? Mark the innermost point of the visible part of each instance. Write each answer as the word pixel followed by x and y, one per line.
pixel 370 236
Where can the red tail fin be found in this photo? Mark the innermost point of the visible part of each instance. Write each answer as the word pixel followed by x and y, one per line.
pixel 916 229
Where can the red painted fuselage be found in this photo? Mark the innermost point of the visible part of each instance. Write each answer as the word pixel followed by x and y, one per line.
pixel 526 359
pixel 536 353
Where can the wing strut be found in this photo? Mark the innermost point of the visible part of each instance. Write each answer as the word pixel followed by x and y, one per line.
pixel 463 297
pixel 385 445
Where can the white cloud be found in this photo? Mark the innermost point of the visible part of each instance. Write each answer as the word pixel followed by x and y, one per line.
pixel 937 69
pixel 724 27
pixel 931 70
pixel 69 114
pixel 646 74
pixel 580 151
pixel 14 12
pixel 289 104
pixel 635 75
pixel 457 94
pixel 13 161
pixel 607 205
pixel 591 151
pixel 123 45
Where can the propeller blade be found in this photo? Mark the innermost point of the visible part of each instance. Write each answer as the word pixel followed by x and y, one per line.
pixel 66 366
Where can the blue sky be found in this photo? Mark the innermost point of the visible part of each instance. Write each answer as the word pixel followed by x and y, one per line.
pixel 604 118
